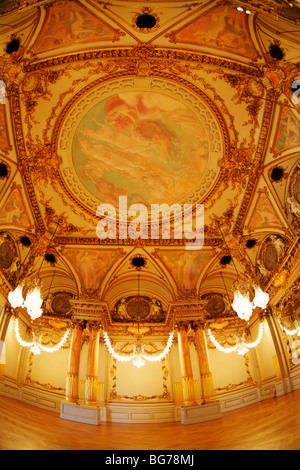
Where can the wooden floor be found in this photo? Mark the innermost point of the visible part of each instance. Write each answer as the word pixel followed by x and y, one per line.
pixel 273 424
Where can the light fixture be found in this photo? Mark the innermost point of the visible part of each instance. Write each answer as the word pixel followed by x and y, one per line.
pixel 241 347
pixel 15 297
pixel 242 9
pixel 33 300
pixel 36 346
pixel 243 291
pixel 296 331
pixel 261 298
pixel 241 302
pixel 139 357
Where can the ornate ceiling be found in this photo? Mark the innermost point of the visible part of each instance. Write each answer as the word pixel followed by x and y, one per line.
pixel 162 102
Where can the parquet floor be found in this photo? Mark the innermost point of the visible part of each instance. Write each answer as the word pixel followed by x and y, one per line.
pixel 273 424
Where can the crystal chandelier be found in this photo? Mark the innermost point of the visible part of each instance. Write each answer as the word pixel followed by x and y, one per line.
pixel 32 302
pixel 243 291
pixel 36 346
pixel 138 358
pixel 242 304
pixel 241 347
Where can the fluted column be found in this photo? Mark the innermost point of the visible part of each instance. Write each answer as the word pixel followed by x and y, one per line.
pixel 185 365
pixel 5 319
pixel 208 390
pixel 92 365
pixel 278 343
pixel 73 366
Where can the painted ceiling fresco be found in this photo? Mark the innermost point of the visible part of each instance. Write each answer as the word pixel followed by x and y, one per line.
pixel 146 146
pixel 72 25
pixel 222 28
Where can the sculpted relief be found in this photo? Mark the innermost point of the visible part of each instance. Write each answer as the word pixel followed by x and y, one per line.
pixel 133 309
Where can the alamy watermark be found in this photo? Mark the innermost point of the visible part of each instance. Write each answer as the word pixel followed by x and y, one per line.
pixel 2 92
pixel 296 92
pixel 162 221
pixel 296 352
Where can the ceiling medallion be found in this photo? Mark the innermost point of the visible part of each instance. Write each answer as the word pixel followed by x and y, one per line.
pixel 138 308
pixel 147 21
pixel 60 304
pixel 215 305
pixel 138 262
pixel 4 169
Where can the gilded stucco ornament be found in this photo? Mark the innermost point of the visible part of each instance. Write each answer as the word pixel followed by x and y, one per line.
pixel 272 252
pixel 217 305
pixel 58 304
pixel 279 75
pixel 142 308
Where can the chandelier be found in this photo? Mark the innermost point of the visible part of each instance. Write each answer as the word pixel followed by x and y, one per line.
pixel 243 292
pixel 139 357
pixel 32 302
pixel 33 299
pixel 241 347
pixel 242 304
pixel 296 331
pixel 36 346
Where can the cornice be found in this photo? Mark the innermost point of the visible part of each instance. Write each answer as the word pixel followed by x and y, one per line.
pixel 145 52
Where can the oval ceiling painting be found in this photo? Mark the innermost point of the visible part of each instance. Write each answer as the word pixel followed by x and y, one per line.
pixel 147 146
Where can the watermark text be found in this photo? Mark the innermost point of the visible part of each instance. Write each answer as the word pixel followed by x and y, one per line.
pixel 163 221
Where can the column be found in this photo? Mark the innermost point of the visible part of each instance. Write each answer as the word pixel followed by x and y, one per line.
pixel 280 351
pixel 185 365
pixel 91 381
pixel 73 366
pixel 6 316
pixel 208 390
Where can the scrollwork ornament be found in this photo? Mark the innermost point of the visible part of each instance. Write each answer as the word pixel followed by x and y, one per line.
pixel 272 253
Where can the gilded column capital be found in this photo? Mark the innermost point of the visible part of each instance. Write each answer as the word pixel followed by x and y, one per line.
pixel 182 326
pixel 199 325
pixel 77 324
pixel 94 325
